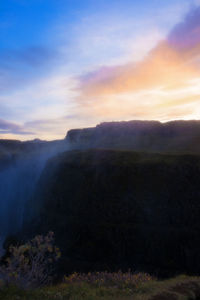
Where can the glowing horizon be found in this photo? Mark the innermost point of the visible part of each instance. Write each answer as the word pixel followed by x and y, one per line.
pixel 83 64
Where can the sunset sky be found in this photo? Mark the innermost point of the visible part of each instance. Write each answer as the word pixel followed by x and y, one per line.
pixel 72 63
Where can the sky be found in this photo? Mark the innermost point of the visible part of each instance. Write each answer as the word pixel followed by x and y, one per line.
pixel 71 63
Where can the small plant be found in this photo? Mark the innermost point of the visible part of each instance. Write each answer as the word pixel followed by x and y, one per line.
pixel 30 265
pixel 118 279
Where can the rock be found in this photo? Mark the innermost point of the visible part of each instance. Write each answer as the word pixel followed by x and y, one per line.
pixel 121 209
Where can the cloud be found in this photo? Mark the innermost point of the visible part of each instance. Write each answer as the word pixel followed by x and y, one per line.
pixel 186 35
pixel 34 56
pixel 170 66
pixel 51 128
pixel 5 125
pixel 127 72
pixel 42 106
pixel 9 127
pixel 19 67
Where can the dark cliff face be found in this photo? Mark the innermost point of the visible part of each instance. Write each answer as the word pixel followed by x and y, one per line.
pixel 120 209
pixel 151 136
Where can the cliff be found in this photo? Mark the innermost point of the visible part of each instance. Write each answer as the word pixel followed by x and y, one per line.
pixel 151 136
pixel 121 209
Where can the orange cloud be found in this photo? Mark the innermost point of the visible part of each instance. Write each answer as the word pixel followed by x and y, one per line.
pixel 163 67
pixel 169 68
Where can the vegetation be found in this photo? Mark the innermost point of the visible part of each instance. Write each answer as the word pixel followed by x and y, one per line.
pixel 26 276
pixel 180 288
pixel 118 280
pixel 29 265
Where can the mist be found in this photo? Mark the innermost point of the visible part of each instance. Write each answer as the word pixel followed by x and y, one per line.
pixel 18 181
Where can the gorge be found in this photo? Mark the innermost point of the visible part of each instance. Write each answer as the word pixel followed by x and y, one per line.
pixel 120 195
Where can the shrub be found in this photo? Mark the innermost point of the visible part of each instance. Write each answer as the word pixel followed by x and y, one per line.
pixel 118 279
pixel 30 265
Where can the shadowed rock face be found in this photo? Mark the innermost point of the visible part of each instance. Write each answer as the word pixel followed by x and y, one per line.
pixel 151 136
pixel 121 209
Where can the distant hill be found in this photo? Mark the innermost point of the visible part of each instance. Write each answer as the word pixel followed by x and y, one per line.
pixel 7 145
pixel 151 136
pixel 12 150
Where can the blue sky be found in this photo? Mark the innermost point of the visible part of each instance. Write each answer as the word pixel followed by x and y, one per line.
pixel 50 49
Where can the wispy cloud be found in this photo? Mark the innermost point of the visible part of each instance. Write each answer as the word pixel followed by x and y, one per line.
pixel 19 67
pixel 171 66
pixel 12 128
pixel 185 36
